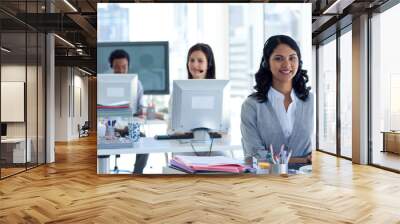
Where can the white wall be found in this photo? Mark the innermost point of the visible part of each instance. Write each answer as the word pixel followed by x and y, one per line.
pixel 80 109
pixel 14 73
pixel 61 103
pixel 70 83
pixel 33 126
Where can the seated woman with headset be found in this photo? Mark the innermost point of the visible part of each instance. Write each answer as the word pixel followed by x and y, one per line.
pixel 200 64
pixel 280 112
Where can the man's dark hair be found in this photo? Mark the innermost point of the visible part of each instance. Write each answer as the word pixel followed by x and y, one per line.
pixel 118 54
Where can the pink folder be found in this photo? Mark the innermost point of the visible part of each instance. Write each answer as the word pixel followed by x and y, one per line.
pixel 208 163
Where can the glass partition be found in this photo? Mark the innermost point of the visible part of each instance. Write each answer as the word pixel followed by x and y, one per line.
pixel 22 88
pixel 327 97
pixel 31 97
pixel 41 91
pixel 346 94
pixel 13 87
pixel 385 88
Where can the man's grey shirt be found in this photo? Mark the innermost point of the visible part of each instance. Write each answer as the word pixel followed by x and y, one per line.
pixel 140 100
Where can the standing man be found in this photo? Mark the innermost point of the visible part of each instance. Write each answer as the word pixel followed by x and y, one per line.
pixel 119 62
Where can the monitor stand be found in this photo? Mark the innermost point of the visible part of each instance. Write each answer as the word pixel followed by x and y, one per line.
pixel 201 135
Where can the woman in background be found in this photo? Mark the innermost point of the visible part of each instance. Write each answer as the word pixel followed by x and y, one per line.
pixel 200 62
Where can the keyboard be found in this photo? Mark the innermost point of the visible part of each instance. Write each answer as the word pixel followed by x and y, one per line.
pixel 174 136
pixel 215 135
pixel 185 136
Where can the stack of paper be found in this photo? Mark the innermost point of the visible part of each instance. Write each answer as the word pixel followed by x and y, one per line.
pixel 121 108
pixel 193 164
pixel 116 105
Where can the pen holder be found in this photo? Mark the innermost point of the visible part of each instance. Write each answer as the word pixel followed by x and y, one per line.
pixel 110 131
pixel 101 129
pixel 263 168
pixel 278 169
pixel 151 113
pixel 134 131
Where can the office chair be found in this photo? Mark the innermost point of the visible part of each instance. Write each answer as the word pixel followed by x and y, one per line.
pixel 84 130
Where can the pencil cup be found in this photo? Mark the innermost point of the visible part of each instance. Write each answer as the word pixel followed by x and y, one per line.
pixel 151 113
pixel 134 131
pixel 263 168
pixel 110 131
pixel 278 169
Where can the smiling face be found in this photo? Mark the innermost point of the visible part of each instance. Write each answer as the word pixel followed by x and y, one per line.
pixel 283 63
pixel 198 65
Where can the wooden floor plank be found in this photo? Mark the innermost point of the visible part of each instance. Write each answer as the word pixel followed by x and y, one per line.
pixel 70 191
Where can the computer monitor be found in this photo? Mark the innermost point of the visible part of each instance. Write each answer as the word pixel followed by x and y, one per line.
pixel 200 106
pixel 3 130
pixel 115 90
pixel 147 59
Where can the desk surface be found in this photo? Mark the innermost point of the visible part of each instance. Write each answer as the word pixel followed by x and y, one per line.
pixel 151 145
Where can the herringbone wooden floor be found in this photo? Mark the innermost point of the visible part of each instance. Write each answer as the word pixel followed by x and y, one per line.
pixel 70 191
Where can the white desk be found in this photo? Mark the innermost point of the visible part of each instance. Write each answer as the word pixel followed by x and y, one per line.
pixel 151 145
pixel 18 150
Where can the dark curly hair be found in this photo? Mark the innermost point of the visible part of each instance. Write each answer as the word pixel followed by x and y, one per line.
pixel 206 49
pixel 264 75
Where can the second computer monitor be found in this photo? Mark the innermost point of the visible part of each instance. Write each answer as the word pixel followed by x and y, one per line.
pixel 116 89
pixel 198 104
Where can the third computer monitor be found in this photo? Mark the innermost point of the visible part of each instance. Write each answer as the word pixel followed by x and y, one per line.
pixel 115 89
pixel 200 104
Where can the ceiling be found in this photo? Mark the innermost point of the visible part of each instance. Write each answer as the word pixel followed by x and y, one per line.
pixel 76 24
pixel 76 20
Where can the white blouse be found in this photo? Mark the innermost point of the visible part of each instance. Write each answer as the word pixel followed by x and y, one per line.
pixel 286 118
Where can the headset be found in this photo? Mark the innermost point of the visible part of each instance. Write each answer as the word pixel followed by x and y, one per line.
pixel 265 65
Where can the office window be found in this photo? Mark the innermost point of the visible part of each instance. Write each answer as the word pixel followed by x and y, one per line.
pixel 385 84
pixel 346 94
pixel 242 29
pixel 293 20
pixel 327 96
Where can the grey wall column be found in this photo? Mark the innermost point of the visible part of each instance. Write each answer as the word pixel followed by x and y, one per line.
pixel 50 99
pixel 50 92
pixel 360 90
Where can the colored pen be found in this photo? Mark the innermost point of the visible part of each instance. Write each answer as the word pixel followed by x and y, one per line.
pixel 288 158
pixel 272 153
